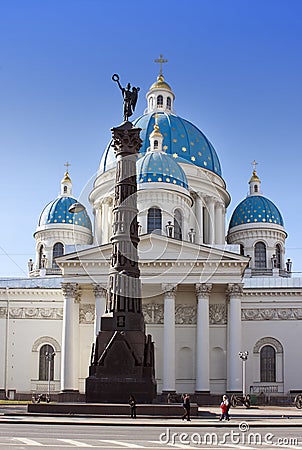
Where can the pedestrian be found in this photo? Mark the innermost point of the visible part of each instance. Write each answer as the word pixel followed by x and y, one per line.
pixel 132 403
pixel 186 406
pixel 228 403
pixel 224 406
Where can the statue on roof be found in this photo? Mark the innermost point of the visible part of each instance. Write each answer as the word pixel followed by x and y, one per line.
pixel 130 97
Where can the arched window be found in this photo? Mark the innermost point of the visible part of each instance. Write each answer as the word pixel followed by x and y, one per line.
pixel 58 250
pixel 178 224
pixel 255 188
pixel 65 189
pixel 241 249
pixel 260 255
pixel 278 256
pixel 154 222
pixel 160 101
pixel 151 103
pixel 41 253
pixel 268 364
pixel 168 102
pixel 44 363
pixel 155 144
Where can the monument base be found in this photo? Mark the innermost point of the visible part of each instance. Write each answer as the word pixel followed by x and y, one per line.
pixel 123 365
pixel 70 395
pixel 118 390
pixel 2 394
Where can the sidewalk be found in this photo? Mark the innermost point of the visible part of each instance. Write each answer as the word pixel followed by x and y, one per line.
pixel 208 417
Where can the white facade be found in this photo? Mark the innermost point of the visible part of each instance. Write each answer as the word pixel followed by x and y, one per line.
pixel 204 299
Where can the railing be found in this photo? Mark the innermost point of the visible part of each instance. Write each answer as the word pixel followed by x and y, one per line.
pixel 266 389
pixel 50 271
pixel 269 273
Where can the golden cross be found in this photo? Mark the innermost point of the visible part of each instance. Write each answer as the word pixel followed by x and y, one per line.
pixel 67 165
pixel 254 163
pixel 161 61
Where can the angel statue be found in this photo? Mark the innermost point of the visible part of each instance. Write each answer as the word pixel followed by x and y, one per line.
pixel 130 97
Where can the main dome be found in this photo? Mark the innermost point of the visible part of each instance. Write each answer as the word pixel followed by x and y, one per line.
pixel 182 140
pixel 256 209
pixel 160 167
pixel 57 212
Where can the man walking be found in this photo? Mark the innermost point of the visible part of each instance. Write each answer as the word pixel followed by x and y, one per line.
pixel 186 406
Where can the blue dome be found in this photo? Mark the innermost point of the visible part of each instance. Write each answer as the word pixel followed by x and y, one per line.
pixel 58 212
pixel 182 140
pixel 256 209
pixel 160 167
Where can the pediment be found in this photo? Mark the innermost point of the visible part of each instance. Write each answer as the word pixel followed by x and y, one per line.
pixel 153 248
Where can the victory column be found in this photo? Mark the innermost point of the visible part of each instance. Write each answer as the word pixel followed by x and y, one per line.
pixel 122 362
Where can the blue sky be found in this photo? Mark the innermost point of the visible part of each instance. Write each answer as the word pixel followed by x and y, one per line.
pixel 235 67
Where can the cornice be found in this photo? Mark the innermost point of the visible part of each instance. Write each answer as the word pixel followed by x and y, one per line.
pixel 275 292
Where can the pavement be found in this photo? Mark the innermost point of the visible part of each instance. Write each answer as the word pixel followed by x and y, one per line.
pixel 264 416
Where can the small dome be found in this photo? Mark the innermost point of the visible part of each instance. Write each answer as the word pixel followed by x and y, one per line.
pixel 160 167
pixel 254 177
pixel 182 140
pixel 256 209
pixel 57 212
pixel 160 83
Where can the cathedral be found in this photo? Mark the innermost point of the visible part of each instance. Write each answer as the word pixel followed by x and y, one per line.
pixel 217 298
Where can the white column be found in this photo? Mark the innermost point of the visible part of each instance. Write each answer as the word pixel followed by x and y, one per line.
pixel 105 221
pixel 169 338
pixel 234 365
pixel 98 226
pixel 110 217
pixel 203 338
pixel 219 223
pixel 199 219
pixel 70 338
pixel 99 291
pixel 211 224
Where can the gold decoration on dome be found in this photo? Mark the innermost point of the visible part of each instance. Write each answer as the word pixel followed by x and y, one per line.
pixel 66 175
pixel 160 61
pixel 160 84
pixel 156 130
pixel 254 176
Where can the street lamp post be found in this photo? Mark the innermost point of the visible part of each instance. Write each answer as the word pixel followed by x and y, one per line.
pixel 243 356
pixel 49 358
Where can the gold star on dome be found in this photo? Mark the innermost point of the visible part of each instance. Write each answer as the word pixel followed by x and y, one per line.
pixel 175 155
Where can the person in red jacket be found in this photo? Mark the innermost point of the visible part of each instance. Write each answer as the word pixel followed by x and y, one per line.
pixel 224 406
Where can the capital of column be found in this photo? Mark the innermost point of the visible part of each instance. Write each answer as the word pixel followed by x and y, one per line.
pixel 203 289
pixel 99 290
pixel 235 290
pixel 106 200
pixel 209 199
pixel 219 204
pixel 71 290
pixel 199 196
pixel 169 290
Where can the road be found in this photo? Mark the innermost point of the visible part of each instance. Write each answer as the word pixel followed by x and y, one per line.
pixel 18 436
